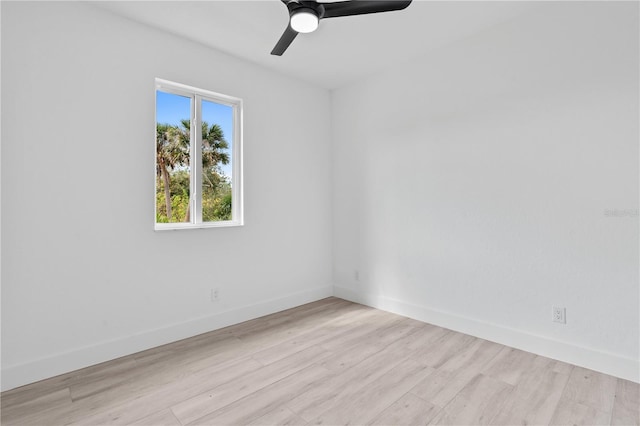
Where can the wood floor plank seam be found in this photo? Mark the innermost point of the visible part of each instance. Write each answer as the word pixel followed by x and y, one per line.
pixel 397 414
pixel 201 405
pixel 264 400
pixel 564 388
pixel 357 381
pixel 311 342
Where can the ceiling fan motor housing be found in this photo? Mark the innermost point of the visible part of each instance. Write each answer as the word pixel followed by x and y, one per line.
pixel 306 6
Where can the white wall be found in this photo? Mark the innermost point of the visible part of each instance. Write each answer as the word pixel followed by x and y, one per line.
pixel 85 278
pixel 470 186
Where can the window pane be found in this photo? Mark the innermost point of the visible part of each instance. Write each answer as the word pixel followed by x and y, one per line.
pixel 217 139
pixel 172 158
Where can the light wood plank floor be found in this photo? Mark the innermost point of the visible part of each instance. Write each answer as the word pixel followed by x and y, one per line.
pixel 330 362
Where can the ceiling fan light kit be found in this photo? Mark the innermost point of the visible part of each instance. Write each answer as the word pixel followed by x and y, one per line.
pixel 304 20
pixel 305 15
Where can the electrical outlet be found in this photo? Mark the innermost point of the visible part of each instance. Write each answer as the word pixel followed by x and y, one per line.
pixel 559 315
pixel 215 294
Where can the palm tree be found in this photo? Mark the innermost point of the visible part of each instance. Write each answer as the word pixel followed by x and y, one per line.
pixel 214 147
pixel 214 152
pixel 171 152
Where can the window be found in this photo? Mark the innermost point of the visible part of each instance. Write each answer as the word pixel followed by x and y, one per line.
pixel 198 172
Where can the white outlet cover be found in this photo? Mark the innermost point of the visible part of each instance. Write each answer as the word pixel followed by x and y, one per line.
pixel 559 315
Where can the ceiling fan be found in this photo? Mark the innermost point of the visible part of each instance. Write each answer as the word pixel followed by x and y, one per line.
pixel 304 15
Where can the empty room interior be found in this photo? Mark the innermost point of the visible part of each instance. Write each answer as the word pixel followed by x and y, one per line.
pixel 317 212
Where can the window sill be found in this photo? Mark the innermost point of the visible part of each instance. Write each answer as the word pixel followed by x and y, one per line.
pixel 178 226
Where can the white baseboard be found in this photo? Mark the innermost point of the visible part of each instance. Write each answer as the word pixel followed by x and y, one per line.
pixel 32 371
pixel 604 362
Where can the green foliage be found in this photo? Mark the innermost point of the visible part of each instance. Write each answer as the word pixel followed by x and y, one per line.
pixel 172 161
pixel 216 205
pixel 179 190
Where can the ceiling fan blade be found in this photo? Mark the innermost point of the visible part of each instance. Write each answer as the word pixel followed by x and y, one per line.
pixel 361 7
pixel 284 42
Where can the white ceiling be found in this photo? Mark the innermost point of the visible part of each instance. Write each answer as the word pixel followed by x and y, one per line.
pixel 340 51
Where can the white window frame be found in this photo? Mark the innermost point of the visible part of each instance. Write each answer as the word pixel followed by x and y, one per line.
pixel 195 161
